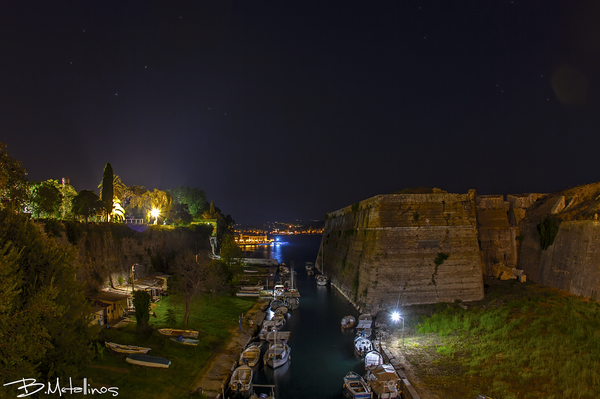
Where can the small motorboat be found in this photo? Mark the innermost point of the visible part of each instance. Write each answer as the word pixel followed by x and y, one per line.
pixel 365 323
pixel 126 348
pixel 250 356
pixel 322 280
pixel 281 310
pixel 372 360
pixel 362 346
pixel 355 387
pixel 276 303
pixel 241 380
pixel 348 322
pixel 278 319
pixel 293 303
pixel 148 361
pixel 267 327
pixel 277 355
pixel 384 381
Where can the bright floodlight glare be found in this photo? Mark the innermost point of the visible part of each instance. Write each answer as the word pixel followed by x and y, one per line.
pixel 395 316
pixel 154 212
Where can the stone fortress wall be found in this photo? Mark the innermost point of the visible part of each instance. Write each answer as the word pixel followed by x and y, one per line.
pixel 402 249
pixel 572 262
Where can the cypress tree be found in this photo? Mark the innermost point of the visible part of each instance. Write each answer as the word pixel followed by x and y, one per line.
pixel 107 190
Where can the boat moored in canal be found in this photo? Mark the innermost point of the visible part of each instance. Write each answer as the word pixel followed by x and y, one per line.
pixel 240 382
pixel 362 346
pixel 276 303
pixel 348 322
pixel 322 280
pixel 384 382
pixel 372 360
pixel 355 387
pixel 251 355
pixel 277 355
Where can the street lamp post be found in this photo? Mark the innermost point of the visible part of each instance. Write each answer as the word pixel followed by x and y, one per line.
pixel 132 277
pixel 396 316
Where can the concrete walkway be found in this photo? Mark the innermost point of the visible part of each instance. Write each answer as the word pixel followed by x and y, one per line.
pixel 212 381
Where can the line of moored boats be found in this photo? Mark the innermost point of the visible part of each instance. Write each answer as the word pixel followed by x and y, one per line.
pixel 271 345
pixel 380 379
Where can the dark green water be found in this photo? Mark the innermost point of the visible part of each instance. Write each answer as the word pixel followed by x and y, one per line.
pixel 321 354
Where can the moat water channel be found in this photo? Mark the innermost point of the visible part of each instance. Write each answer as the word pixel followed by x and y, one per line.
pixel 321 354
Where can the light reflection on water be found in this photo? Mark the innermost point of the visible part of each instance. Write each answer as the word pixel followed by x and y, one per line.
pixel 274 251
pixel 321 354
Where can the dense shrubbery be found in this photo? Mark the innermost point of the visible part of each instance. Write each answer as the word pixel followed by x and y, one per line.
pixel 43 312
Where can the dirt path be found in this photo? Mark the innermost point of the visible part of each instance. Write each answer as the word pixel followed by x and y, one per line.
pixel 213 378
pixel 398 353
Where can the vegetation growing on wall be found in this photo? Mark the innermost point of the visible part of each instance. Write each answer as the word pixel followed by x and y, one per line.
pixel 441 257
pixel 548 229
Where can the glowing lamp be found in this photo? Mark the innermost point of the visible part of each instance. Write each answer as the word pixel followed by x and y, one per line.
pixel 154 212
pixel 395 316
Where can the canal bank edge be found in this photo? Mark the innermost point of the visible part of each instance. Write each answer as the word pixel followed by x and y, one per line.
pixel 213 379
pixel 408 391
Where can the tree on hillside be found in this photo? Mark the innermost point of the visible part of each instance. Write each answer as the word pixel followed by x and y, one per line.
pixel 231 256
pixel 132 201
pixel 107 190
pixel 44 317
pixel 211 213
pixel 191 272
pixel 194 198
pixel 119 196
pixel 44 199
pixel 149 200
pixel 68 192
pixel 13 180
pixel 86 204
pixel 180 214
pixel 50 199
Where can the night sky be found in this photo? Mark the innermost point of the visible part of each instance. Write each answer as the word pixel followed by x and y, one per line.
pixel 284 110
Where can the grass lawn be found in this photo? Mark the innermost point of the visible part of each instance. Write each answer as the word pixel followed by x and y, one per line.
pixel 522 341
pixel 213 316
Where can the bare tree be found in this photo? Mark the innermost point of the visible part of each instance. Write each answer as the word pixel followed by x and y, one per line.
pixel 191 272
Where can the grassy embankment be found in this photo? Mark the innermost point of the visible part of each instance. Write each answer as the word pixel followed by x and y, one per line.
pixel 521 341
pixel 214 317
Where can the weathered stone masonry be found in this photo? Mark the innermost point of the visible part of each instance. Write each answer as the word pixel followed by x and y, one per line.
pixel 404 248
